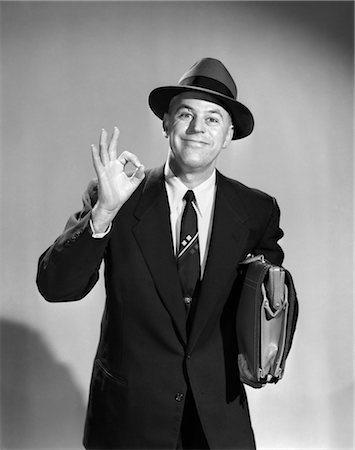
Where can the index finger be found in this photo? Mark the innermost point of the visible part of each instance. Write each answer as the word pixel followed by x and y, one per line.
pixel 128 157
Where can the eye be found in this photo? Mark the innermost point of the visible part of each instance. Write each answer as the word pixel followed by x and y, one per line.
pixel 185 115
pixel 213 119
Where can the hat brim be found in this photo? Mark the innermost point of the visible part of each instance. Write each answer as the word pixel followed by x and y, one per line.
pixel 242 118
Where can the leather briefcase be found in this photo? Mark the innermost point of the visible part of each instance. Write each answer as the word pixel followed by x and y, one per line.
pixel 266 320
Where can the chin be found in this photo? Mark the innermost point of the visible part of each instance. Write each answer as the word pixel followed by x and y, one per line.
pixel 192 162
pixel 193 157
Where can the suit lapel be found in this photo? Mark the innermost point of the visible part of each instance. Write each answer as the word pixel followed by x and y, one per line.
pixel 229 234
pixel 153 234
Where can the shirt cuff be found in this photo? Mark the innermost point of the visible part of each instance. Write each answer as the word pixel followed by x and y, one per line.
pixel 99 235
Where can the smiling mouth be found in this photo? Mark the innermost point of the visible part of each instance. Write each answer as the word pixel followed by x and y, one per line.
pixel 195 141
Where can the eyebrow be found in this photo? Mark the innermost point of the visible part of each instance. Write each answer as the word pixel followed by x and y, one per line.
pixel 210 111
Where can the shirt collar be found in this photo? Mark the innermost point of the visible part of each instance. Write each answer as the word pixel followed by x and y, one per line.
pixel 204 192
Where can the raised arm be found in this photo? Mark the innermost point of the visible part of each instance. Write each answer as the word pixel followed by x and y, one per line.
pixel 69 269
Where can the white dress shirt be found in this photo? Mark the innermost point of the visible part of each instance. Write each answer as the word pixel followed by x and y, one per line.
pixel 205 198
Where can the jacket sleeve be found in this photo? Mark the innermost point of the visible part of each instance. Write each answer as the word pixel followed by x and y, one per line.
pixel 69 269
pixel 268 244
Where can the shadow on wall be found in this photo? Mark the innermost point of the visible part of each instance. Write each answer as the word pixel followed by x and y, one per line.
pixel 41 407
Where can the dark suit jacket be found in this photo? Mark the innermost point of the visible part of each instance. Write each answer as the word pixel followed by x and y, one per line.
pixel 145 360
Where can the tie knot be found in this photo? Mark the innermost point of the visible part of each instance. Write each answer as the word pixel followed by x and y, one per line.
pixel 189 196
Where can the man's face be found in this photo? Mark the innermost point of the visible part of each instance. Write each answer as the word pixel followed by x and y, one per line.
pixel 198 130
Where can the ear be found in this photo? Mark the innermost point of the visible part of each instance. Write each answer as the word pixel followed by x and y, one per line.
pixel 229 136
pixel 166 125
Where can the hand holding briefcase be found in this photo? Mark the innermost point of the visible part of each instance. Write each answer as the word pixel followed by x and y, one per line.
pixel 266 320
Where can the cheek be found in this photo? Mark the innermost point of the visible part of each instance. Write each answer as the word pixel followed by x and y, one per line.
pixel 179 128
pixel 221 139
pixel 175 136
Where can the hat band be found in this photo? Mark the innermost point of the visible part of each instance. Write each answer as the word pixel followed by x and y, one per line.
pixel 207 83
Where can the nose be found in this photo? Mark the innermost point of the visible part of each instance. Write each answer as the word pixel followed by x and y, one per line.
pixel 197 125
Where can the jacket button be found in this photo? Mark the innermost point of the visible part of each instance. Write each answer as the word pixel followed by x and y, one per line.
pixel 187 300
pixel 179 396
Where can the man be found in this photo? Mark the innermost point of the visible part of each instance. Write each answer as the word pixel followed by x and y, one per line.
pixel 166 374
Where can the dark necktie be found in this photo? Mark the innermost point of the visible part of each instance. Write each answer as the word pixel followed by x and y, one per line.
pixel 188 258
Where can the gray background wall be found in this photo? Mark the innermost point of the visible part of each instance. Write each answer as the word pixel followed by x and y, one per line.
pixel 70 68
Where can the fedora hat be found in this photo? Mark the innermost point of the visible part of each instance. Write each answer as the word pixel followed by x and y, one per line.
pixel 208 75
